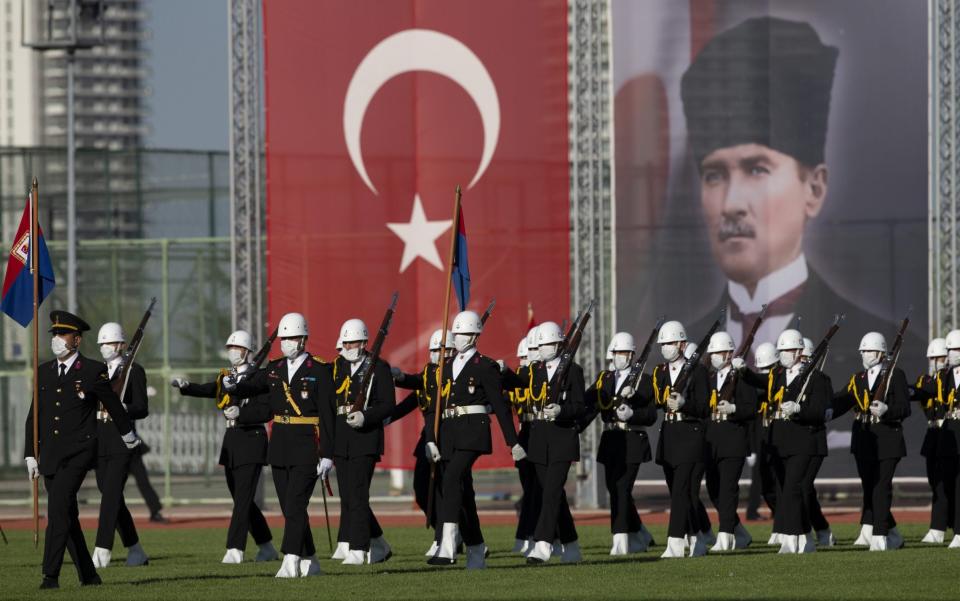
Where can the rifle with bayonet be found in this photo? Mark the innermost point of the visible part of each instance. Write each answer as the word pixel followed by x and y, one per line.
pixel 730 384
pixel 122 375
pixel 569 348
pixel 890 363
pixel 797 389
pixel 488 312
pixel 686 372
pixel 261 356
pixel 640 363
pixel 364 373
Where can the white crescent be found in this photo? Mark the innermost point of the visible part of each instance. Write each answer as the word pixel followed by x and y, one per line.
pixel 420 50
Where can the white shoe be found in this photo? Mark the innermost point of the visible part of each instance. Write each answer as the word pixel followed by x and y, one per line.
pixel 686 541
pixel 698 545
pixel 557 550
pixel 448 541
pixel 675 548
pixel 136 556
pixel 742 536
pixel 518 545
pixel 825 538
pixel 434 547
pixel 341 551
pixel 708 538
pixel 355 557
pixel 101 557
pixel 267 552
pixel 476 557
pixel 725 542
pixel 290 568
pixel 309 567
pixel 878 543
pixel 542 551
pixel 621 544
pixel 933 536
pixel 789 544
pixel 380 550
pixel 955 543
pixel 775 539
pixel 636 542
pixel 232 556
pixel 894 539
pixel 571 553
pixel 866 531
pixel 807 543
pixel 527 547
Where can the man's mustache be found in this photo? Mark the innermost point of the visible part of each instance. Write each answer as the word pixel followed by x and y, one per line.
pixel 735 228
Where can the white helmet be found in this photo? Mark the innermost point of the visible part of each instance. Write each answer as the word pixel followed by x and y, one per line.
pixel 435 340
pixel 789 340
pixel 623 342
pixel 522 349
pixel 549 333
pixel 339 346
pixel 532 341
pixel 953 339
pixel 240 338
pixel 110 332
pixel 807 348
pixel 467 322
pixel 765 356
pixel 937 348
pixel 292 325
pixel 720 342
pixel 671 331
pixel 873 341
pixel 353 330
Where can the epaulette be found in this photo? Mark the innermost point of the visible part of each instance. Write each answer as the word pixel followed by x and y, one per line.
pixel 319 359
pixel 277 359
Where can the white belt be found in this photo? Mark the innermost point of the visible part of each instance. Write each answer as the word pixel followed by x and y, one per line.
pixel 529 417
pixel 465 410
pixel 103 416
pixel 867 418
pixel 934 423
pixel 718 417
pixel 231 423
pixel 955 414
pixel 344 410
pixel 620 426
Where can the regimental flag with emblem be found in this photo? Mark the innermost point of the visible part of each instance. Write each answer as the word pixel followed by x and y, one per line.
pixel 17 299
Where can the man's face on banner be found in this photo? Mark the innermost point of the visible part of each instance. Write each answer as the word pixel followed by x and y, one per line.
pixel 756 202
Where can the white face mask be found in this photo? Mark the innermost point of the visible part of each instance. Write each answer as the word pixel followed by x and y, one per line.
pixel 533 354
pixel 59 347
pixel 435 357
pixel 524 363
pixel 788 358
pixel 352 355
pixel 718 360
pixel 953 357
pixel 620 361
pixel 236 356
pixel 936 364
pixel 290 348
pixel 870 358
pixel 464 342
pixel 670 351
pixel 548 352
pixel 109 351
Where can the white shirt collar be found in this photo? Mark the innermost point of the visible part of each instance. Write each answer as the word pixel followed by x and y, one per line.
pixel 460 361
pixel 552 367
pixel 770 287
pixel 68 362
pixel 112 365
pixel 621 374
pixel 294 364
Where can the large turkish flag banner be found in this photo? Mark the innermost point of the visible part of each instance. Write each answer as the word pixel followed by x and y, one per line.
pixel 376 110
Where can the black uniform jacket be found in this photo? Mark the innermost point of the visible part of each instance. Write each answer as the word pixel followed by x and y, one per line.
pixel 619 446
pixel 804 433
pixel 380 401
pixel 109 441
pixel 558 440
pixel 731 437
pixel 681 440
pixel 884 439
pixel 943 388
pixel 423 397
pixel 932 412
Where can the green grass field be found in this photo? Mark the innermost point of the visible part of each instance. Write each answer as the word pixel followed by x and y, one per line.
pixel 184 565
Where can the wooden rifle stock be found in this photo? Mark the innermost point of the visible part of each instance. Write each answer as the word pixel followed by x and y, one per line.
pixel 364 373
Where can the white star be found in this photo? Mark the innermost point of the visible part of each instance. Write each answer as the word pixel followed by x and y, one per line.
pixel 419 236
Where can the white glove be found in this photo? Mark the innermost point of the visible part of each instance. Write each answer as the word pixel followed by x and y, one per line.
pixel 229 382
pixel 627 392
pixel 501 364
pixel 878 408
pixel 725 408
pixel 551 411
pixel 232 412
pixel 518 453
pixel 738 363
pixel 751 459
pixel 355 420
pixel 324 467
pixel 178 382
pixel 624 412
pixel 433 453
pixel 675 401
pixel 789 408
pixel 33 468
pixel 397 373
pixel 131 440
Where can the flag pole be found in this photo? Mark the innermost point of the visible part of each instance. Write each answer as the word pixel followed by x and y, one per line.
pixel 34 229
pixel 443 347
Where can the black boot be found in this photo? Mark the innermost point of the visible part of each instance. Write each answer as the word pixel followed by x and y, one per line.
pixel 49 582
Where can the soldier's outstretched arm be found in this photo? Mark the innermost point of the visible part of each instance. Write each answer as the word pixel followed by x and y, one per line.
pixel 207 390
pixel 490 380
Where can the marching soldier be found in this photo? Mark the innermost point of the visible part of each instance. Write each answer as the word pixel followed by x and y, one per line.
pixel 877 441
pixel 794 435
pixel 113 456
pixel 818 521
pixel 298 396
pixel 944 388
pixel 733 405
pixel 242 455
pixel 940 510
pixel 553 446
pixel 624 444
pixel 358 446
pixel 471 389
pixel 681 444
pixel 70 387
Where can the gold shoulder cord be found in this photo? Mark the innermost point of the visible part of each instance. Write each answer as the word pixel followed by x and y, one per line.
pixel 225 400
pixel 864 404
pixel 599 387
pixel 773 398
pixel 286 391
pixel 657 397
pixel 532 398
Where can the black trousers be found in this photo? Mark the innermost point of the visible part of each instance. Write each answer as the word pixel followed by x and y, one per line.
pixel 457 502
pixel 357 522
pixel 684 489
pixel 941 511
pixel 554 519
pixel 723 476
pixel 139 473
pixel 620 477
pixel 530 502
pixel 63 531
pixel 876 479
pixel 701 517
pixel 246 516
pixel 951 484
pixel 792 517
pixel 817 520
pixel 294 485
pixel 111 474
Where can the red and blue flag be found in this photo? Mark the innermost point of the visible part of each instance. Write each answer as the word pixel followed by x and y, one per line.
pixel 17 301
pixel 461 267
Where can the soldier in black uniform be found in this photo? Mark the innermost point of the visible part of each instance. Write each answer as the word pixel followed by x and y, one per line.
pixel 795 437
pixel 941 512
pixel 358 445
pixel 298 396
pixel 680 449
pixel 242 454
pixel 70 388
pixel 624 444
pixel 876 438
pixel 733 406
pixel 471 389
pixel 113 456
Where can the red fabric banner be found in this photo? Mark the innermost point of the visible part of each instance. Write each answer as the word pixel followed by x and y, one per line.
pixel 375 112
